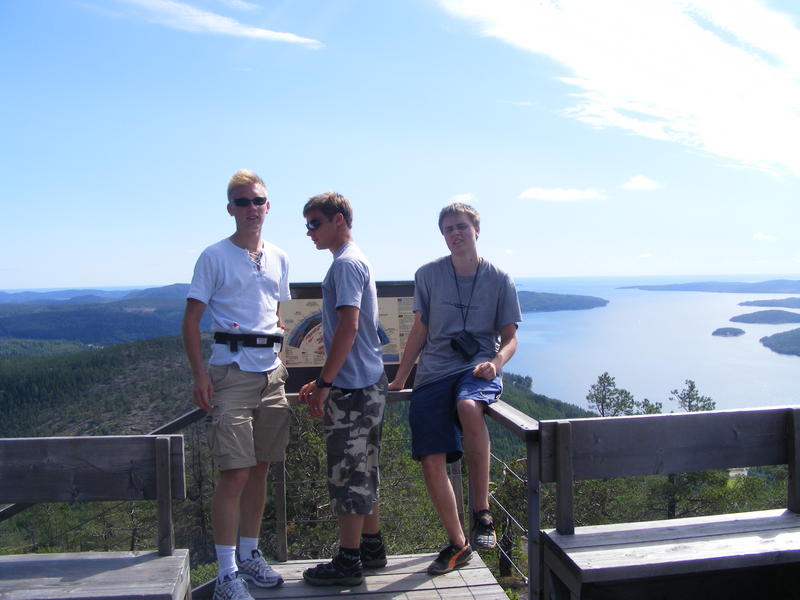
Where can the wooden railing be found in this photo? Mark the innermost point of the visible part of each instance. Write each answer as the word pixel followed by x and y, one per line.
pixel 518 423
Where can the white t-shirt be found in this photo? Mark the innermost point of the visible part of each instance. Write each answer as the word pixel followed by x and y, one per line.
pixel 242 298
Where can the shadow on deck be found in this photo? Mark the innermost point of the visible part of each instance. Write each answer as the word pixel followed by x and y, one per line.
pixel 404 578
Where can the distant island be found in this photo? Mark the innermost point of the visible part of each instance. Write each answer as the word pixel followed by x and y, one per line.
pixel 782 302
pixel 770 317
pixel 776 286
pixel 786 342
pixel 728 332
pixel 545 302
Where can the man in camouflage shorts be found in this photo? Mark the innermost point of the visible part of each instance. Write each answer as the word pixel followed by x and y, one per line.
pixel 350 393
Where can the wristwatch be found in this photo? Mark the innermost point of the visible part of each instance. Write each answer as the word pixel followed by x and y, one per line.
pixel 321 383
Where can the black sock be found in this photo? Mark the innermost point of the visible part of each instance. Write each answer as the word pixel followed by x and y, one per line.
pixel 349 556
pixel 372 539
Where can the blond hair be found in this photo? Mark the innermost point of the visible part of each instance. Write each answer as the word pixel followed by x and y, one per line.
pixel 244 177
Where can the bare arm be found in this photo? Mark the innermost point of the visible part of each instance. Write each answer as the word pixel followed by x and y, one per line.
pixel 508 345
pixel 343 337
pixel 417 338
pixel 203 389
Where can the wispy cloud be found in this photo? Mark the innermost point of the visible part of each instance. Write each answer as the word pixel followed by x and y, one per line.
pixel 720 77
pixel 562 195
pixel 764 237
pixel 641 183
pixel 646 255
pixel 467 198
pixel 185 17
pixel 240 4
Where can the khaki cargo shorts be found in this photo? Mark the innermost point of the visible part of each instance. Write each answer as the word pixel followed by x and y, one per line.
pixel 249 420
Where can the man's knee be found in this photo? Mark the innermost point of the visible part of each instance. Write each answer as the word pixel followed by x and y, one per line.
pixel 433 464
pixel 233 481
pixel 471 416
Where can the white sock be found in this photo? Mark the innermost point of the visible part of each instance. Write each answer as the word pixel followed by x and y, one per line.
pixel 226 557
pixel 246 547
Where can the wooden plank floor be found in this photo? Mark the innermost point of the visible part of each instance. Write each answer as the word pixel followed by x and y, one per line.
pixel 94 575
pixel 404 578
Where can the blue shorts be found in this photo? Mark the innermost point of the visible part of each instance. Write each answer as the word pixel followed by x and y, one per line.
pixel 433 416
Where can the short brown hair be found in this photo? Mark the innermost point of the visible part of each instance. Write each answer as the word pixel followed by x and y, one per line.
pixel 244 177
pixel 330 204
pixel 459 208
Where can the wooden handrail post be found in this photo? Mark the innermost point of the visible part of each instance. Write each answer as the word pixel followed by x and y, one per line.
pixel 534 543
pixel 166 528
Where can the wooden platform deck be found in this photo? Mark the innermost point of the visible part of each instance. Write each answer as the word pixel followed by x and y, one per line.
pixel 95 575
pixel 404 578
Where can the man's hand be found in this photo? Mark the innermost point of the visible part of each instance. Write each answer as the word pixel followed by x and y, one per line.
pixel 485 370
pixel 315 398
pixel 396 385
pixel 203 391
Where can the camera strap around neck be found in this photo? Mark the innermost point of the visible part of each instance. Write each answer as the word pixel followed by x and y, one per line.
pixel 465 310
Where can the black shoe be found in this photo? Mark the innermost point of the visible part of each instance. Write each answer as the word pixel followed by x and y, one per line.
pixel 451 557
pixel 482 534
pixel 373 553
pixel 334 573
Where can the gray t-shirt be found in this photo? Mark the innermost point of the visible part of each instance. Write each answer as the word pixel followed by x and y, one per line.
pixel 492 304
pixel 349 282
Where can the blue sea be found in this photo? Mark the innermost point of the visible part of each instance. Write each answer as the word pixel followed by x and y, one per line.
pixel 651 342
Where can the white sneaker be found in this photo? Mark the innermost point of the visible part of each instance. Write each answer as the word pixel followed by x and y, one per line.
pixel 232 587
pixel 258 572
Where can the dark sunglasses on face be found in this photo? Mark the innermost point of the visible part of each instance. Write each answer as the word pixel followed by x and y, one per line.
pixel 242 202
pixel 313 223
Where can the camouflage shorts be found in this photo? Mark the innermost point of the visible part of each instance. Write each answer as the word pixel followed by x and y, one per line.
pixel 353 422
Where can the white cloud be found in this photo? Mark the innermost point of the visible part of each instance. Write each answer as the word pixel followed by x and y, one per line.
pixel 468 198
pixel 509 251
pixel 185 17
pixel 718 76
pixel 241 4
pixel 765 237
pixel 645 255
pixel 641 183
pixel 561 195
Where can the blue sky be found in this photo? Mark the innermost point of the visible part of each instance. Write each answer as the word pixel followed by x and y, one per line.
pixel 596 137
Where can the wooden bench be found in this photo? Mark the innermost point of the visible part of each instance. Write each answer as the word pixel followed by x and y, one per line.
pixel 102 468
pixel 581 562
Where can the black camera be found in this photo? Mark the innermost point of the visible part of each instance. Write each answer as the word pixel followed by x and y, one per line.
pixel 465 344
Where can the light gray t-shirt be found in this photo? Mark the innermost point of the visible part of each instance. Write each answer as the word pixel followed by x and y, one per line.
pixel 349 282
pixel 492 304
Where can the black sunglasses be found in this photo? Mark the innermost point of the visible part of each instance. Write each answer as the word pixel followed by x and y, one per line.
pixel 257 201
pixel 314 223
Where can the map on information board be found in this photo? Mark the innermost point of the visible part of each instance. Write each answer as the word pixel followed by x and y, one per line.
pixel 304 345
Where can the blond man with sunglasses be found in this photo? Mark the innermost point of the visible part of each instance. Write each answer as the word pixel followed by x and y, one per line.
pixel 241 281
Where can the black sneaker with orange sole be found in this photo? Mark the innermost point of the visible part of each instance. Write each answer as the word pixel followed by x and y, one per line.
pixel 451 557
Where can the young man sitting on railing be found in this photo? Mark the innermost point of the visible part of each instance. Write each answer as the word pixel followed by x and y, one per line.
pixel 465 329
